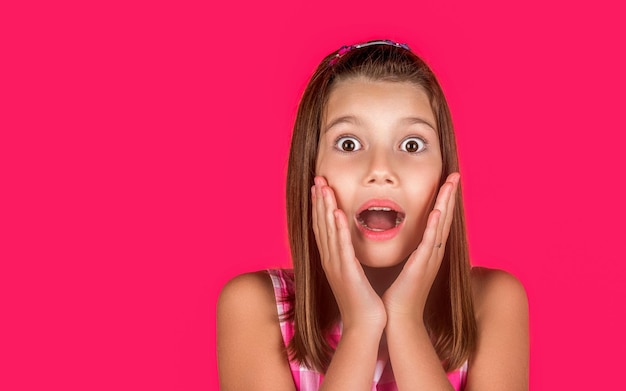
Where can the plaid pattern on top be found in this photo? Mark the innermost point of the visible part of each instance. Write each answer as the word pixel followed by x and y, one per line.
pixel 307 379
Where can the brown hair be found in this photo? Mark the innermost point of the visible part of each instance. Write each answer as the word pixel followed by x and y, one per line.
pixel 449 314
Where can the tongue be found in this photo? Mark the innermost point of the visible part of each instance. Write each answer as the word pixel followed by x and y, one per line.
pixel 378 219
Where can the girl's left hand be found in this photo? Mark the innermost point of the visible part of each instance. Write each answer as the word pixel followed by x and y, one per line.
pixel 406 297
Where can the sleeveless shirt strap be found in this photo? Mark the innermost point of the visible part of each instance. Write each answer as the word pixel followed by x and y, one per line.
pixel 281 293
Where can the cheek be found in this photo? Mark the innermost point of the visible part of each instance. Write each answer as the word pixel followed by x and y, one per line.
pixel 328 169
pixel 335 171
pixel 324 163
pixel 341 189
pixel 423 191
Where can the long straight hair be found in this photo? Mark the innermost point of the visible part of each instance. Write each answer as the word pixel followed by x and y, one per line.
pixel 449 315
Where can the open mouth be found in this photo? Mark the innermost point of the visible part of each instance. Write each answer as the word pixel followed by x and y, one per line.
pixel 380 218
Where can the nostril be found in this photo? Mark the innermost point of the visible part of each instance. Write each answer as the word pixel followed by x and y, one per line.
pixel 380 175
pixel 381 179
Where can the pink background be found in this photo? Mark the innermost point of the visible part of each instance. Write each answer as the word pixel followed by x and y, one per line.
pixel 143 152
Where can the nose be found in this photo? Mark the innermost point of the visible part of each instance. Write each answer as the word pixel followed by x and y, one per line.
pixel 380 170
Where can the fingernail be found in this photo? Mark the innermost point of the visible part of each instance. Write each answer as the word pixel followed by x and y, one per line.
pixel 337 219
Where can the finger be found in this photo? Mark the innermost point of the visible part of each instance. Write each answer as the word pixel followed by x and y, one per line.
pixel 454 179
pixel 427 246
pixel 442 205
pixel 344 240
pixel 446 205
pixel 330 206
pixel 314 211
pixel 322 241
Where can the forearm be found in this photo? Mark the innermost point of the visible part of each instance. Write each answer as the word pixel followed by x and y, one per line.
pixel 354 361
pixel 413 357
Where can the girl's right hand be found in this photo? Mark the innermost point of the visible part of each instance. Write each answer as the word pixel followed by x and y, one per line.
pixel 358 303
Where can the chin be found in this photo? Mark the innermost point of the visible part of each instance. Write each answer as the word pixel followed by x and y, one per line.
pixel 382 257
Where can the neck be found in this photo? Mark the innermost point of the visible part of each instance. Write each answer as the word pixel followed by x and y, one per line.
pixel 381 278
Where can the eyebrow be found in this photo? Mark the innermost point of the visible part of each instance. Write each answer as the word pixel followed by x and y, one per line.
pixel 350 119
pixel 418 120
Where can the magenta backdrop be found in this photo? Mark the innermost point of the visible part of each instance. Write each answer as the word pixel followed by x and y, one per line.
pixel 143 156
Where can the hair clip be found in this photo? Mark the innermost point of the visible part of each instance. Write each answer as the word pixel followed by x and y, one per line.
pixel 345 49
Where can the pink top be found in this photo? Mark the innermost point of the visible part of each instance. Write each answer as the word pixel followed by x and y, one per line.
pixel 309 380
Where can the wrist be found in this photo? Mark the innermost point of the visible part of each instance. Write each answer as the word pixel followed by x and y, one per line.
pixel 405 320
pixel 364 330
pixel 411 311
pixel 401 330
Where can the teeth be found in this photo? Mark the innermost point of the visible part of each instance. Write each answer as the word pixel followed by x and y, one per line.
pixel 399 217
pixel 376 229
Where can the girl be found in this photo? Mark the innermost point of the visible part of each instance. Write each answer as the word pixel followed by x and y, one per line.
pixel 382 296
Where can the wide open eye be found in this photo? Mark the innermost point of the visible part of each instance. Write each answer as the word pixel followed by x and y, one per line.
pixel 413 145
pixel 348 144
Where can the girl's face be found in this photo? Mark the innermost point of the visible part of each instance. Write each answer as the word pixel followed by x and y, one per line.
pixel 379 152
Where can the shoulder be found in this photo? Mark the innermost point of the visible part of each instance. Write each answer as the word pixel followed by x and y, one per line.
pixel 249 294
pixel 494 290
pixel 500 358
pixel 250 348
pixel 246 282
